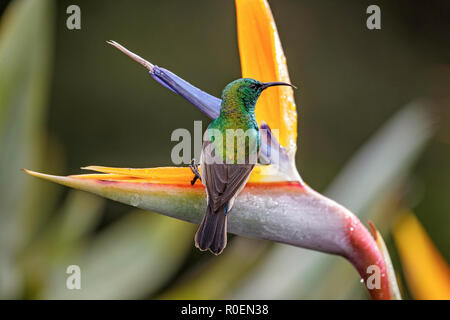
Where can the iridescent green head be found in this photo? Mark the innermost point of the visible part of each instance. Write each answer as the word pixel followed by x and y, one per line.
pixel 245 92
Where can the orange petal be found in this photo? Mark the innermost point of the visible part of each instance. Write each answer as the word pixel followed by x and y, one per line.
pixel 262 58
pixel 165 175
pixel 173 175
pixel 426 272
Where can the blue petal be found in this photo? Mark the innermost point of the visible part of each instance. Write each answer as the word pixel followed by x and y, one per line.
pixel 207 103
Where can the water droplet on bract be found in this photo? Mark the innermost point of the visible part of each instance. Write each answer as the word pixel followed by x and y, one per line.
pixel 135 200
pixel 351 228
pixel 362 280
pixel 271 204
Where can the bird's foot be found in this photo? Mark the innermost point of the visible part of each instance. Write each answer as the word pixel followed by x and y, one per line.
pixel 194 168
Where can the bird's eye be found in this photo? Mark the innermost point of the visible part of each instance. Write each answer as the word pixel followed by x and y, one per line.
pixel 253 86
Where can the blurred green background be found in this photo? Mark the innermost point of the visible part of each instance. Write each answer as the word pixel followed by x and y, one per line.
pixel 67 99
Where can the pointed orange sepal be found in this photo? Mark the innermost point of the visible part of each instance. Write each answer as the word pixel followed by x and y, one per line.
pixel 426 271
pixel 262 58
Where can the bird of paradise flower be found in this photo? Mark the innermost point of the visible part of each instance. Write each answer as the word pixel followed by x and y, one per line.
pixel 276 204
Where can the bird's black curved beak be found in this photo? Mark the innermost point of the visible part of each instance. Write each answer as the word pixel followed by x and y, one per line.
pixel 271 84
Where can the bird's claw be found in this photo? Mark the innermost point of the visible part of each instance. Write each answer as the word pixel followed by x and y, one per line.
pixel 194 169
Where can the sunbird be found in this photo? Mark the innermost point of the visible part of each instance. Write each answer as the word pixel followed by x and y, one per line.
pixel 226 164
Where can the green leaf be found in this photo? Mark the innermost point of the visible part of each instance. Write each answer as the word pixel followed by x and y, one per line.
pixel 25 56
pixel 130 259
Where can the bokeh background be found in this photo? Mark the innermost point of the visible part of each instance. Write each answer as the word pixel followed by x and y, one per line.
pixel 374 119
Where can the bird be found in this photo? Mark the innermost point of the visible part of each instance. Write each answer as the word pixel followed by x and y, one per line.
pixel 224 174
pixel 229 153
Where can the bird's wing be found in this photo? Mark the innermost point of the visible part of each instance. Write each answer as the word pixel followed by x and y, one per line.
pixel 223 181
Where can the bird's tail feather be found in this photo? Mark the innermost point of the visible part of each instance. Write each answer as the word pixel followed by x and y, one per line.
pixel 212 232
